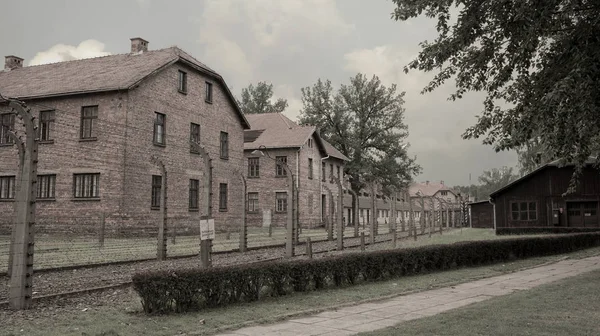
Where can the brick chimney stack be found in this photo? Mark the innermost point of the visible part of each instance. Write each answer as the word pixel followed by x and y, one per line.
pixel 138 44
pixel 442 182
pixel 427 182
pixel 12 62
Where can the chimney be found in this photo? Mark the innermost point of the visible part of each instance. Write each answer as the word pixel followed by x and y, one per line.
pixel 12 62
pixel 442 182
pixel 427 182
pixel 138 44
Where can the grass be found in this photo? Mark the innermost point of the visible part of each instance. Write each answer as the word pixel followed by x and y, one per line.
pixel 567 307
pixel 126 318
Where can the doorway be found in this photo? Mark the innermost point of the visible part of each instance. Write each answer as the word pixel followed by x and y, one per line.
pixel 582 214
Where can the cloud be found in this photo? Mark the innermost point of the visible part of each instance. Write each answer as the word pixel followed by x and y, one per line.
pixel 63 52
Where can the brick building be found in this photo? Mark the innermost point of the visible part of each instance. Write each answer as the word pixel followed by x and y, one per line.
pixel 101 120
pixel 313 161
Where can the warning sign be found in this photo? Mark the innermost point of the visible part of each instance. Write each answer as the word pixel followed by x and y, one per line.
pixel 207 229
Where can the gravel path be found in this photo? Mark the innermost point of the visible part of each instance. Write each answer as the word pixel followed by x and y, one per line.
pixel 54 282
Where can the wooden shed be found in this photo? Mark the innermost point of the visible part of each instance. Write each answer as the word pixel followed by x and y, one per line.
pixel 536 200
pixel 482 214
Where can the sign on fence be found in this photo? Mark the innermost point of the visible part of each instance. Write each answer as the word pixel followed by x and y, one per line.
pixel 207 229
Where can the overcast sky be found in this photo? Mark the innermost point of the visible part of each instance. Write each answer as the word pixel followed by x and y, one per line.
pixel 290 43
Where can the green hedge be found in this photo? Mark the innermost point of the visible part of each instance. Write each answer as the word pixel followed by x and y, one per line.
pixel 194 289
pixel 544 229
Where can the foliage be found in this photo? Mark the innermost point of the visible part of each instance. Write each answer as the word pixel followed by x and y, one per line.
pixel 543 229
pixel 365 121
pixel 489 181
pixel 258 99
pixel 195 289
pixel 538 62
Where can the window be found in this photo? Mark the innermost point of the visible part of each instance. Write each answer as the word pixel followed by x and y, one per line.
pixel 222 196
pixel 209 92
pixel 444 193
pixel 224 145
pixel 7 187
pixel 46 125
pixel 281 201
pixel 253 167
pixel 89 115
pixel 279 169
pixel 7 123
pixel 523 211
pixel 253 202
pixel 323 171
pixel 156 191
pixel 182 82
pixel 338 173
pixel 159 129
pixel 194 190
pixel 310 143
pixel 46 186
pixel 310 168
pixel 310 204
pixel 331 172
pixel 86 185
pixel 194 136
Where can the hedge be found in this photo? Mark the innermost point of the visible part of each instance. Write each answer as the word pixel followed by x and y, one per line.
pixel 194 289
pixel 544 229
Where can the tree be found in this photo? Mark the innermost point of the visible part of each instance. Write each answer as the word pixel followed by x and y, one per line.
pixel 537 61
pixel 489 181
pixel 364 121
pixel 257 99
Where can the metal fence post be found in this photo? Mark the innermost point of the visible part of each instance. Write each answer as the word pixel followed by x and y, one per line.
pixel 206 244
pixel 244 227
pixel 21 148
pixel 102 229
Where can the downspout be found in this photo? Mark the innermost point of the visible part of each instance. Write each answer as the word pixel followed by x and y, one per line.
pixel 491 200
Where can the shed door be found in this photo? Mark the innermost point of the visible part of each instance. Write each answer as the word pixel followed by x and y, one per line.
pixel 582 214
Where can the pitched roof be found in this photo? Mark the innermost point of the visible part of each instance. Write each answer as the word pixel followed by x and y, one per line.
pixel 275 130
pixel 428 189
pixel 100 74
pixel 556 163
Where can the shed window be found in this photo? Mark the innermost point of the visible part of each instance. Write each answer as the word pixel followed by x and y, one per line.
pixel 523 211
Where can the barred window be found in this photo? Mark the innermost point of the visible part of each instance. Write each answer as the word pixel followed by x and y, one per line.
pixel 253 167
pixel 159 129
pixel 223 197
pixel 7 123
pixel 194 136
pixel 182 82
pixel 7 187
pixel 86 185
pixel 46 125
pixel 46 186
pixel 224 145
pixel 279 167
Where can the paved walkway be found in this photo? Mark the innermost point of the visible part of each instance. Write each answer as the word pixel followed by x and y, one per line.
pixel 387 313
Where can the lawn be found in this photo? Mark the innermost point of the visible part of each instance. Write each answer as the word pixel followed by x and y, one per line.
pixel 120 311
pixel 567 307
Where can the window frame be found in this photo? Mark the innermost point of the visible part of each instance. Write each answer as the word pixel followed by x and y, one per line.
pixel 8 188
pixel 281 203
pixel 46 184
pixel 223 197
pixel 208 92
pixel 46 126
pixel 92 123
pixel 182 81
pixel 192 134
pixel 86 191
pixel 224 145
pixel 280 170
pixel 253 203
pixel 253 167
pixel 5 139
pixel 156 192
pixel 323 171
pixel 520 211
pixel 310 168
pixel 194 195
pixel 157 124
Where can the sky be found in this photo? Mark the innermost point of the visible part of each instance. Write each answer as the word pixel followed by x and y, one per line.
pixel 289 43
